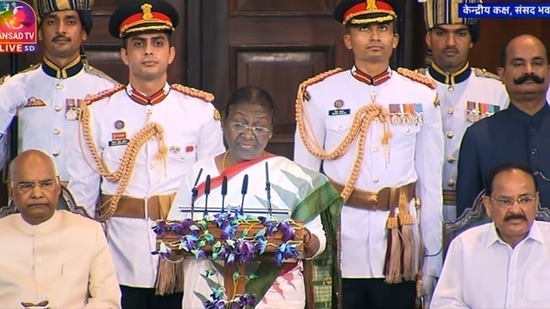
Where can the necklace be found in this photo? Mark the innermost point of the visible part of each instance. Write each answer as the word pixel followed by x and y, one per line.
pixel 224 158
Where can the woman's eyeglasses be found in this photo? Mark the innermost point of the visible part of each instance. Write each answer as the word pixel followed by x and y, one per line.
pixel 242 128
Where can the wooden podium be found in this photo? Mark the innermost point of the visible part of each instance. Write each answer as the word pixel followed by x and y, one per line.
pixel 214 238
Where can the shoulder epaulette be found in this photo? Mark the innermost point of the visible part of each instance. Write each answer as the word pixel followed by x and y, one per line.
pixel 90 99
pixel 196 93
pixel 484 73
pixel 422 71
pixel 417 77
pixel 93 71
pixel 314 80
pixel 4 78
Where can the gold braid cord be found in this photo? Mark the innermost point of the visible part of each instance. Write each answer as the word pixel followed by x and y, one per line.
pixel 196 93
pixel 126 168
pixel 359 128
pixel 417 77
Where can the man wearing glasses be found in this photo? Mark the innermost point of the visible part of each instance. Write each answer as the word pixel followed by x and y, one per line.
pixel 506 263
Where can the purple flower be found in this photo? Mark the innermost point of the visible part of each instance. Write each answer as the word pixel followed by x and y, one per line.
pixel 184 227
pixel 288 231
pixel 228 230
pixel 244 249
pixel 217 304
pixel 261 245
pixel 160 228
pixel 189 242
pixel 221 218
pixel 285 251
pixel 247 300
pixel 270 226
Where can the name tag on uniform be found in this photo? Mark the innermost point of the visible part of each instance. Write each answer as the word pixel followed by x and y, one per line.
pixel 339 112
pixel 119 139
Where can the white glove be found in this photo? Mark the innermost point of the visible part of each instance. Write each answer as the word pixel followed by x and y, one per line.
pixel 428 286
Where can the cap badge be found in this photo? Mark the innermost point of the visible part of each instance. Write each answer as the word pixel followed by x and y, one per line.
pixel 371 5
pixel 146 9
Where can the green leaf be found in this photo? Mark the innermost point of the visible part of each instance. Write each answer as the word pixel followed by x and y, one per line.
pixel 252 277
pixel 244 233
pixel 202 298
pixel 288 197
pixel 236 275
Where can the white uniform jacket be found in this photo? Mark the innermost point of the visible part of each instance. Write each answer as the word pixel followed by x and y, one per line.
pixel 414 154
pixel 45 99
pixel 192 131
pixel 467 96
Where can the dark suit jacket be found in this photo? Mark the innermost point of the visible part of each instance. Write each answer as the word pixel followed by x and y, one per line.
pixel 508 136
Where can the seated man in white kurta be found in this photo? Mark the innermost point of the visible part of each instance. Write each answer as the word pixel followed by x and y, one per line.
pixel 51 258
pixel 504 264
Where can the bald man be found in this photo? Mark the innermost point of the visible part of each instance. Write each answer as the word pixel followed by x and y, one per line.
pixel 56 259
pixel 518 134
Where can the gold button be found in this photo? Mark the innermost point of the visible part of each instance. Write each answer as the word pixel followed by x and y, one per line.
pixel 339 128
pixel 450 110
pixel 182 157
pixel 58 108
pixel 451 183
pixel 407 130
pixel 151 166
pixel 59 86
pixel 451 159
pixel 451 88
pixel 374 149
pixel 56 131
pixel 450 134
pixel 56 152
pixel 375 180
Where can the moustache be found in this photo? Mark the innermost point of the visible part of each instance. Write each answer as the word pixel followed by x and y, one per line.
pixel 515 216
pixel 452 49
pixel 61 37
pixel 524 78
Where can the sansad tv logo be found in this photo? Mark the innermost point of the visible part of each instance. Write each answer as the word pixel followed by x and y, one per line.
pixel 17 27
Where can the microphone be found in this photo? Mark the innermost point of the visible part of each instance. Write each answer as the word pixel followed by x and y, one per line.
pixel 195 193
pixel 224 192
pixel 206 193
pixel 268 189
pixel 243 192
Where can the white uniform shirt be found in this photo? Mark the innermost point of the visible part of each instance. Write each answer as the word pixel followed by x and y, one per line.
pixel 191 132
pixel 42 103
pixel 415 154
pixel 477 88
pixel 483 272
pixel 64 260
pixel 454 109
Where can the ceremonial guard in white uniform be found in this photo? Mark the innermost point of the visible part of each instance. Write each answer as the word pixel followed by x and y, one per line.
pixel 138 141
pixel 376 133
pixel 466 94
pixel 45 96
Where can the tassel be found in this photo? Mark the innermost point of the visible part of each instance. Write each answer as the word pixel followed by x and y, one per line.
pixel 169 278
pixel 393 260
pixel 409 269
